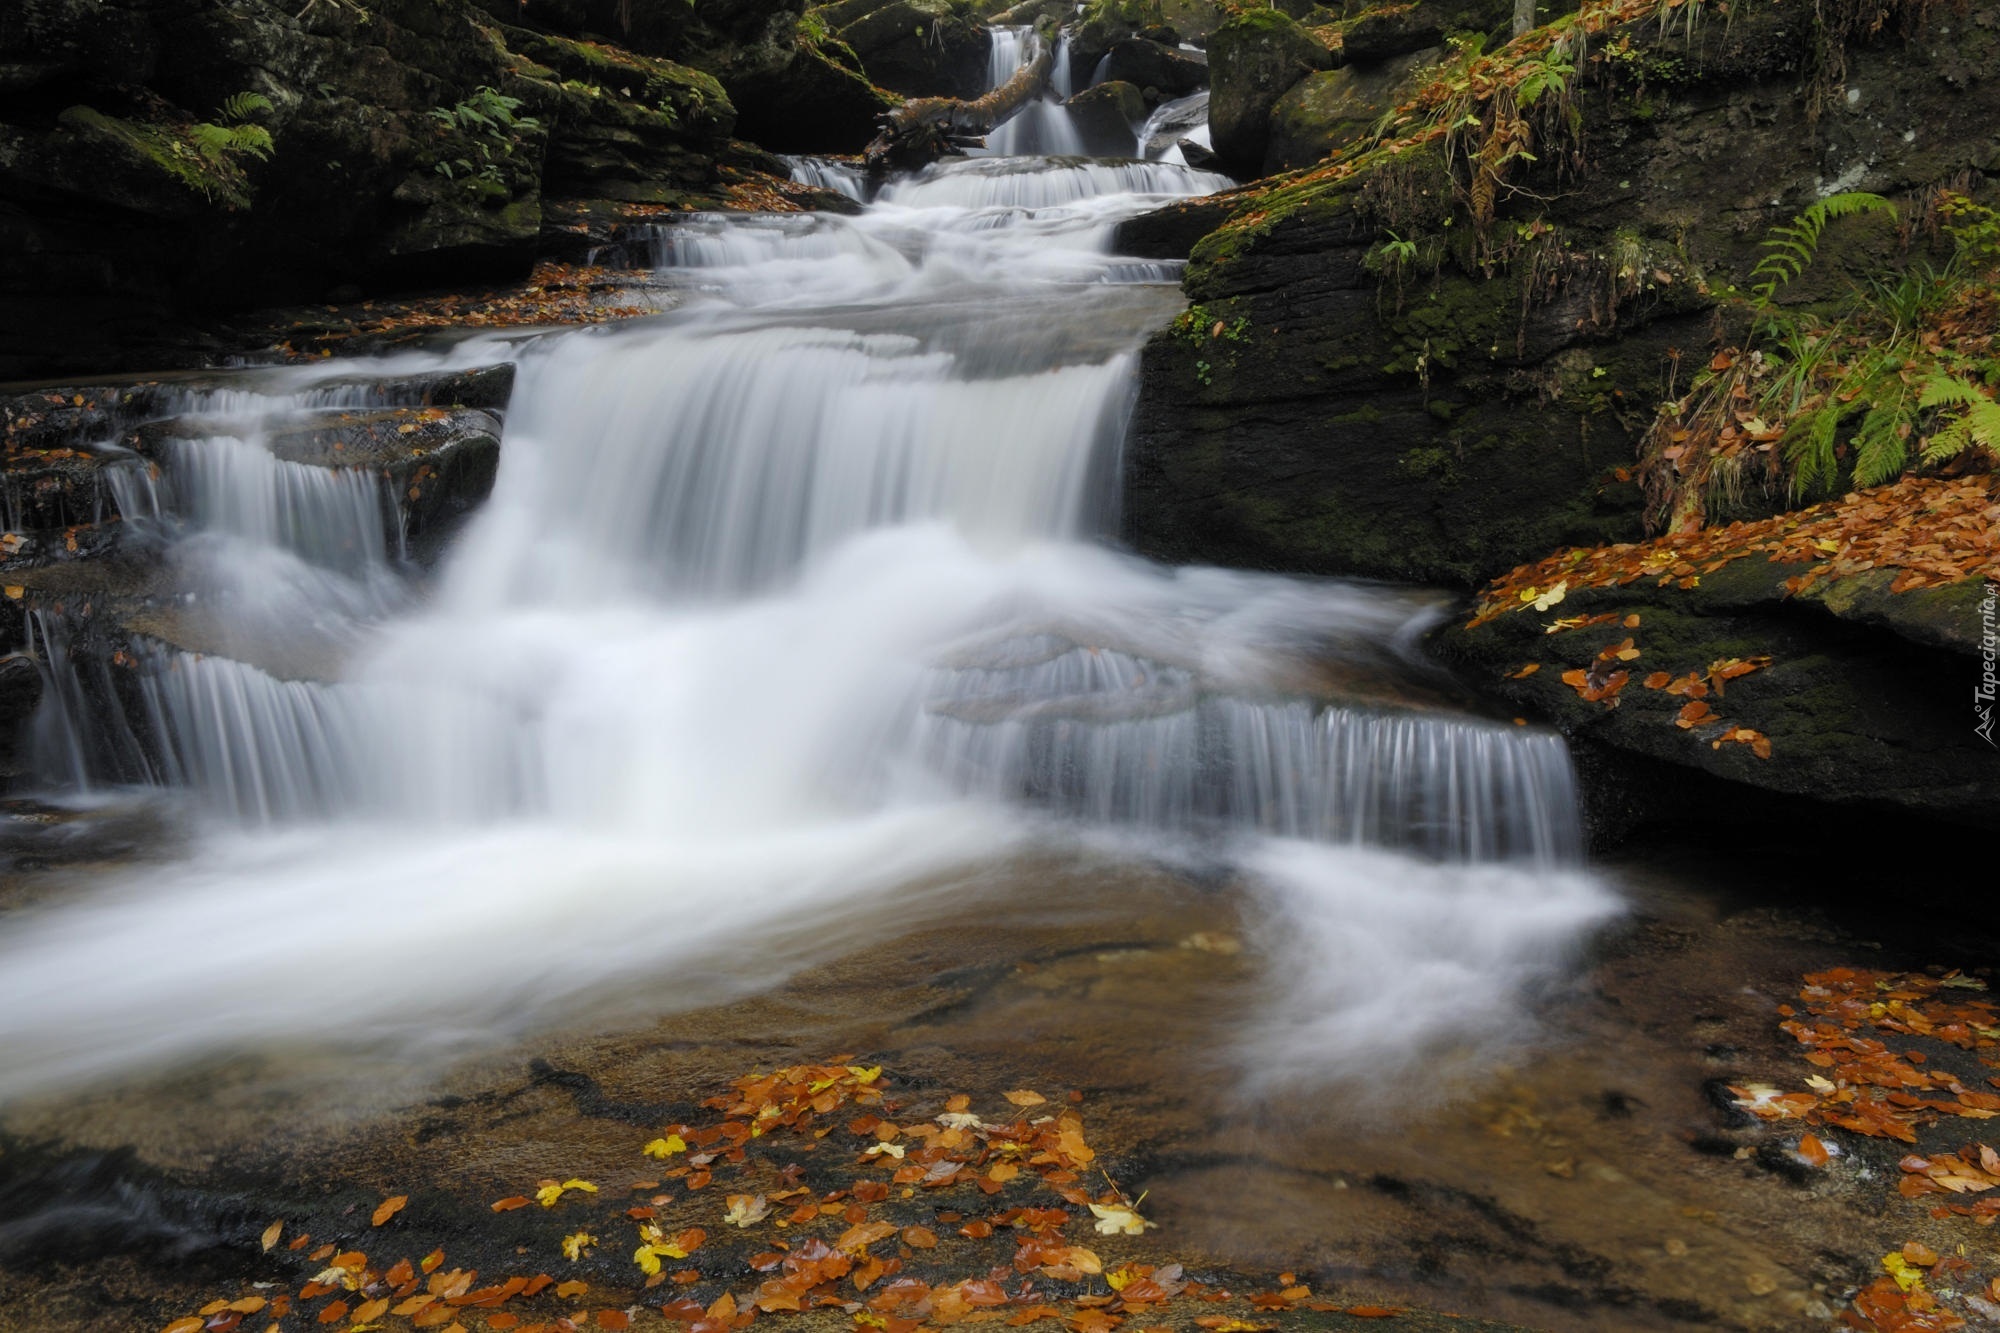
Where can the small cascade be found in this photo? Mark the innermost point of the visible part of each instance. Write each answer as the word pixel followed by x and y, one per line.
pixel 1042 128
pixel 827 174
pixel 1102 735
pixel 1061 81
pixel 1018 183
pixel 333 517
pixel 1171 122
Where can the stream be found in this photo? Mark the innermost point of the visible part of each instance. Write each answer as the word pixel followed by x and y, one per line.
pixel 790 603
pixel 794 633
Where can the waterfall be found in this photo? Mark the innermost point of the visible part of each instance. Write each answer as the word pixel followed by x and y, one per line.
pixel 791 603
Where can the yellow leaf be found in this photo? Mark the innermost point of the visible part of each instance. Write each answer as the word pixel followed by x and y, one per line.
pixel 1023 1097
pixel 1908 1276
pixel 1115 1218
pixel 1552 596
pixel 584 1185
pixel 746 1210
pixel 666 1147
pixel 574 1245
pixel 271 1234
pixel 865 1074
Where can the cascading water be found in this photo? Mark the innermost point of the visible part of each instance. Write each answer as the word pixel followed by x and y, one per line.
pixel 1044 126
pixel 788 606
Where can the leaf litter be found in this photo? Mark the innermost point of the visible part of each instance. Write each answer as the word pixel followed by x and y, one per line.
pixel 827 1250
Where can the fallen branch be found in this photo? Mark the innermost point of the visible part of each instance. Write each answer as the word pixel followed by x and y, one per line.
pixel 924 129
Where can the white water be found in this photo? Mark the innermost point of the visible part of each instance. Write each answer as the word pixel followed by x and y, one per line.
pixel 788 616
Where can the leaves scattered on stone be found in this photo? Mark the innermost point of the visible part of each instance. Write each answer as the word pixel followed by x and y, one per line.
pixel 825 1250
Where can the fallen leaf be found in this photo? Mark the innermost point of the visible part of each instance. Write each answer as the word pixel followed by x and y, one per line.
pixel 271 1235
pixel 390 1206
pixel 1113 1219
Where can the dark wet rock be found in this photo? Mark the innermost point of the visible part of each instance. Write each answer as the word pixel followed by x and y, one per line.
pixel 918 48
pixel 1399 30
pixel 1254 60
pixel 822 102
pixel 1326 110
pixel 1149 64
pixel 1866 702
pixel 1171 232
pixel 1107 116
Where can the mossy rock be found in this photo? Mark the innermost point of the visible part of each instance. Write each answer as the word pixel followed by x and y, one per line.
pixel 1339 107
pixel 1254 60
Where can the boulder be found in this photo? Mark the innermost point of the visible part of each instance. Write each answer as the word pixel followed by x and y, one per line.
pixel 1148 64
pixel 1857 697
pixel 922 48
pixel 1335 107
pixel 1254 60
pixel 1107 117
pixel 1398 30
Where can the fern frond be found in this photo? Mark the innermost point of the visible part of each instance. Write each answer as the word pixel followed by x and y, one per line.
pixel 1809 449
pixel 245 105
pixel 1881 447
pixel 1791 247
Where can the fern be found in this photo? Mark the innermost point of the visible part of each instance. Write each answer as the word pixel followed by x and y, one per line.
pixel 243 106
pixel 1881 445
pixel 219 143
pixel 1809 449
pixel 1791 246
pixel 1977 423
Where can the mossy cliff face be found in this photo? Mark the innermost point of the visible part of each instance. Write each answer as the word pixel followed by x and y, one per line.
pixel 1336 403
pixel 125 207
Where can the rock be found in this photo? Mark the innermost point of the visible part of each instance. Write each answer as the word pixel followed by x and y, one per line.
pixel 380 149
pixel 1107 117
pixel 921 48
pixel 1254 59
pixel 1864 709
pixel 821 102
pixel 1399 30
pixel 1198 155
pixel 1147 64
pixel 1172 231
pixel 1335 107
pixel 629 127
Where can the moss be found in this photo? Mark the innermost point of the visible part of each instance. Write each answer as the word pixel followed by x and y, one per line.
pixel 661 85
pixel 167 149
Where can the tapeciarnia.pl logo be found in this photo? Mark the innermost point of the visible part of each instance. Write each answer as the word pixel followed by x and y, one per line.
pixel 1989 650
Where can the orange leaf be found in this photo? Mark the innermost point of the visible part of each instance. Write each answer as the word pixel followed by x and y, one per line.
pixel 1693 715
pixel 510 1203
pixel 390 1206
pixel 1813 1151
pixel 1526 671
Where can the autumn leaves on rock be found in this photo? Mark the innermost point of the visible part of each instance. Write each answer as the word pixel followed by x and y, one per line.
pixel 1862 1084
pixel 913 1193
